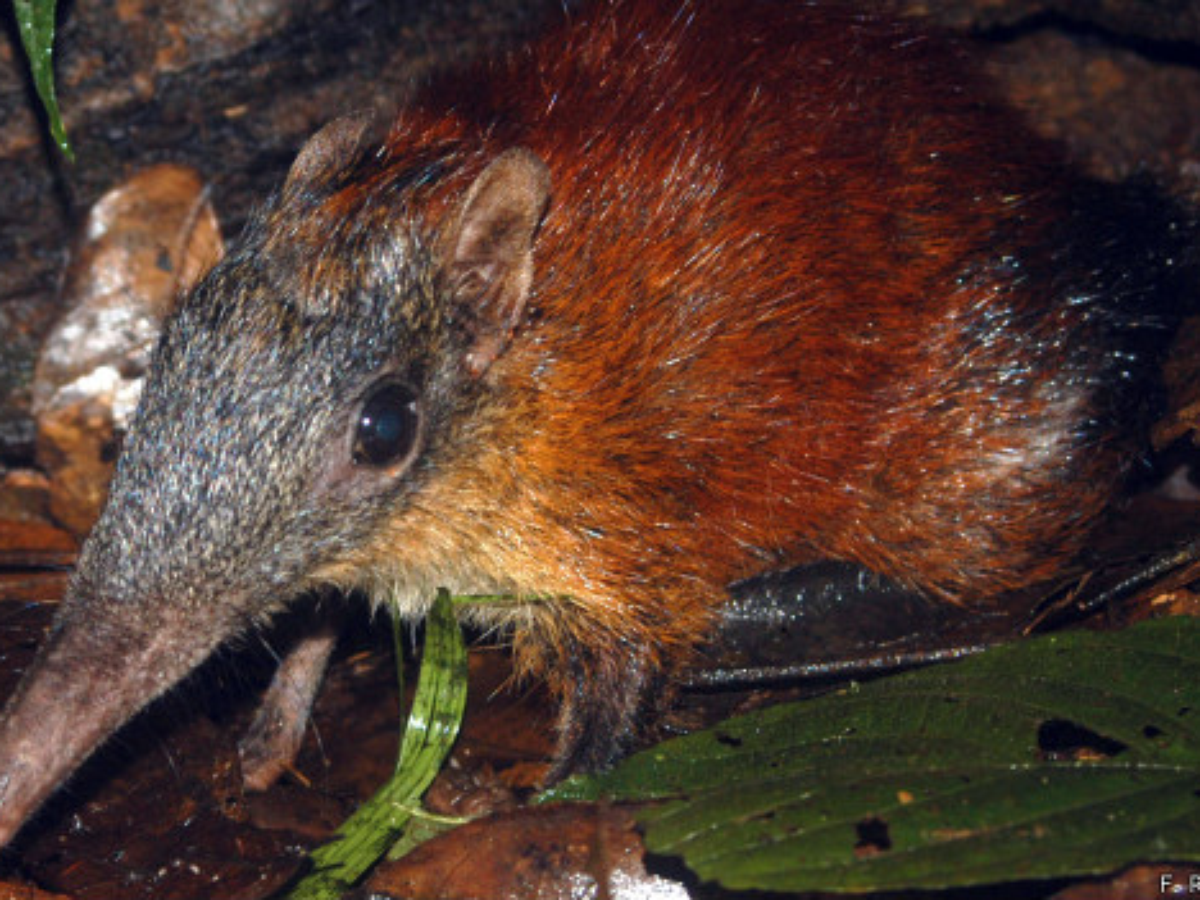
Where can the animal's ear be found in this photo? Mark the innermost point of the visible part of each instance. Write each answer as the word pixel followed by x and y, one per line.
pixel 328 150
pixel 487 249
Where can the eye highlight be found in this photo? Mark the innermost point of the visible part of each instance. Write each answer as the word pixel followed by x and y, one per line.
pixel 387 426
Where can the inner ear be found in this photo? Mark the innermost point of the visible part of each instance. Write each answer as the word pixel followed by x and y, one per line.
pixel 488 250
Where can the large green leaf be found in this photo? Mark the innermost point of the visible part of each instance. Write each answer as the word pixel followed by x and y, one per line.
pixel 1072 754
pixel 35 21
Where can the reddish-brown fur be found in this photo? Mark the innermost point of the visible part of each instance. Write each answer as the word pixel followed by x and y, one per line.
pixel 802 291
pixel 785 306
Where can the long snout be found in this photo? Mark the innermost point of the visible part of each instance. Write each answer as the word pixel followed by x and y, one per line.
pixel 94 673
pixel 51 725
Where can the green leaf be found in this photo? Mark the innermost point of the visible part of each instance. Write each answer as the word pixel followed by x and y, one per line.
pixel 35 21
pixel 432 728
pixel 1074 754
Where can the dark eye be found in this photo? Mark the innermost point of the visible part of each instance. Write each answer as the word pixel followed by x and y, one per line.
pixel 387 425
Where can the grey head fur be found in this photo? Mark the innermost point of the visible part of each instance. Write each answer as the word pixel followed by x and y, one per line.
pixel 238 481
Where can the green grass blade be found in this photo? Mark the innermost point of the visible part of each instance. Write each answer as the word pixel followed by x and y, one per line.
pixel 35 21
pixel 432 728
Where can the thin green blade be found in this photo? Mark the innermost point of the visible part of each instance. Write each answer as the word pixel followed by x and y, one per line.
pixel 432 728
pixel 35 21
